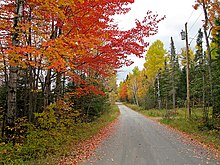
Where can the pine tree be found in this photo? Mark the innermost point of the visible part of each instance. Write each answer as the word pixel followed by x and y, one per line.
pixel 181 90
pixel 199 76
pixel 165 84
pixel 174 72
pixel 197 70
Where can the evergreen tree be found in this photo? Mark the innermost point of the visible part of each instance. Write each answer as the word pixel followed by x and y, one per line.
pixel 199 85
pixel 216 74
pixel 197 71
pixel 181 91
pixel 174 72
pixel 165 84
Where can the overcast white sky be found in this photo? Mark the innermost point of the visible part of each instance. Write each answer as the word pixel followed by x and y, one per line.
pixel 177 12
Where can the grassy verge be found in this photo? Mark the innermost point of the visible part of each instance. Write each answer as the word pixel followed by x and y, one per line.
pixel 194 126
pixel 150 112
pixel 49 145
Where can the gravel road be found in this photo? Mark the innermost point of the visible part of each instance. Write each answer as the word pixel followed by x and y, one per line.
pixel 138 140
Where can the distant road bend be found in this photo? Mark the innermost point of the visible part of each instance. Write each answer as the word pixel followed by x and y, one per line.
pixel 138 140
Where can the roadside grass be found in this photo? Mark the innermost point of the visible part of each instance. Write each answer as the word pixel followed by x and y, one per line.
pixel 150 112
pixel 49 146
pixel 195 126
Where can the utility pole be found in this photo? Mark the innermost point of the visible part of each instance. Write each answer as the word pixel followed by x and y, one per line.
pixel 184 36
pixel 187 73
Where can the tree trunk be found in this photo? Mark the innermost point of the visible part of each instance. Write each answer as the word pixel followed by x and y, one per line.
pixel 173 55
pixel 37 77
pixel 173 86
pixel 209 58
pixel 158 92
pixel 135 89
pixel 13 74
pixel 31 75
pixel 6 85
pixel 47 88
pixel 166 102
pixel 174 92
pixel 31 91
pixel 58 89
pixel 63 85
pixel 205 110
pixel 12 93
pixel 26 93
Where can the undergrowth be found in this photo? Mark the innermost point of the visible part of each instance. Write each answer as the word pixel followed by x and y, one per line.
pixel 48 140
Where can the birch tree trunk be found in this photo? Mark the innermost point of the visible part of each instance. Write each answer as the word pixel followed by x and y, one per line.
pixel 158 92
pixel 135 89
pixel 13 73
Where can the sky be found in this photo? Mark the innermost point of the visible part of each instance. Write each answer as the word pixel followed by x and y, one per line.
pixel 177 13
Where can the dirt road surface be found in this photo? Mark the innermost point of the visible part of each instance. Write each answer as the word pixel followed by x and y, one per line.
pixel 138 140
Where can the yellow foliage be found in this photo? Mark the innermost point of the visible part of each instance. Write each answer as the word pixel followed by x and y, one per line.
pixel 155 58
pixel 183 56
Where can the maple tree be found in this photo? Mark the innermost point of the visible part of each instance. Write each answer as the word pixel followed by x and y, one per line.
pixel 46 44
pixel 213 11
pixel 122 91
pixel 130 88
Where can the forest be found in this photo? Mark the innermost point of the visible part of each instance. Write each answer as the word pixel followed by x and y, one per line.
pixel 181 85
pixel 58 64
pixel 58 71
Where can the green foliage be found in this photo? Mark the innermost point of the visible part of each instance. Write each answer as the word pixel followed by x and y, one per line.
pixel 42 142
pixel 48 139
pixel 198 131
pixel 154 113
pixel 181 91
pixel 134 107
pixel 149 112
pixel 199 74
pixel 47 119
pixel 89 106
pixel 136 71
pixel 216 76
pixel 8 154
pixel 3 94
pixel 182 124
pixel 150 99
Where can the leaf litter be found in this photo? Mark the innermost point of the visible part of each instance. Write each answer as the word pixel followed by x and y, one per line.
pixel 86 149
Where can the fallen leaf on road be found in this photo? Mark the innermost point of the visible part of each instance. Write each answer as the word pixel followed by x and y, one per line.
pixel 86 149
